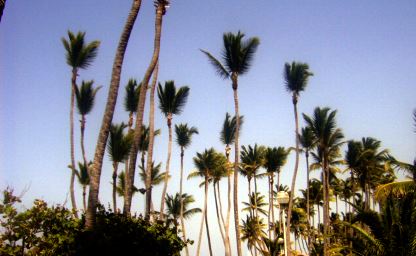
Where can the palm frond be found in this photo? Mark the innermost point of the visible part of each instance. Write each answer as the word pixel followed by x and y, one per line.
pixel 219 68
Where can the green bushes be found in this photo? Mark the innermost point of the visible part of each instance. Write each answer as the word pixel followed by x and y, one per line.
pixel 43 230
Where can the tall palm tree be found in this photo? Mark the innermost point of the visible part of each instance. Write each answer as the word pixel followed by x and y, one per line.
pixel 227 137
pixel 237 58
pixel 84 180
pixel 85 97
pixel 151 142
pixel 274 160
pixel 255 203
pixel 79 55
pixel 131 99
pixel 108 115
pixel 173 208
pixel 161 6
pixel 171 102
pixel 118 149
pixel 205 163
pixel 144 142
pixel 296 79
pixel 329 138
pixel 121 184
pixel 183 138
pixel 252 231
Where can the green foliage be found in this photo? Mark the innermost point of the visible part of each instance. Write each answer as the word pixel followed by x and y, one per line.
pixel 184 134
pixel 131 98
pixel 78 53
pixel 172 101
pixel 85 96
pixel 229 128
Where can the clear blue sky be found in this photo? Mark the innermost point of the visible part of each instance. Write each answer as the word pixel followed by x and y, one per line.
pixel 361 52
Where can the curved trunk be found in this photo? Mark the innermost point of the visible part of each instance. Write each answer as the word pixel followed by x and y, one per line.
pixel 227 221
pixel 108 115
pixel 84 155
pixel 166 179
pixel 180 196
pixel 71 137
pixel 308 214
pixel 218 217
pixel 140 111
pixel 203 216
pixel 148 182
pixel 295 171
pixel 236 161
pixel 208 236
pixel 115 167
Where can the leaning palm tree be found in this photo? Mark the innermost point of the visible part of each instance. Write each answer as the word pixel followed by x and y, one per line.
pixel 237 57
pixel 183 138
pixel 79 55
pixel 131 99
pixel 296 79
pixel 118 149
pixel 171 102
pixel 161 6
pixel 85 97
pixel 227 137
pixel 173 208
pixel 328 138
pixel 108 114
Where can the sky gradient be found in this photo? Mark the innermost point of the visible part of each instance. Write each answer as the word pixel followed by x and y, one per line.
pixel 362 54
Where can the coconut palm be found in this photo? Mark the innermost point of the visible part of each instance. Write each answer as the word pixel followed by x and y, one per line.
pixel 144 142
pixel 237 58
pixel 84 180
pixel 79 55
pixel 156 177
pixel 329 138
pixel 255 203
pixel 252 232
pixel 183 138
pixel 131 99
pixel 118 149
pixel 205 163
pixel 161 6
pixel 85 97
pixel 151 142
pixel 171 102
pixel 227 137
pixel 296 79
pixel 173 208
pixel 108 115
pixel 121 184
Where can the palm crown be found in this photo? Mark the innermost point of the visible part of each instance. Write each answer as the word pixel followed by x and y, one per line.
pixel 119 143
pixel 184 134
pixel 227 135
pixel 155 175
pixel 131 98
pixel 296 77
pixel 78 53
pixel 275 158
pixel 82 173
pixel 173 204
pixel 172 101
pixel 86 96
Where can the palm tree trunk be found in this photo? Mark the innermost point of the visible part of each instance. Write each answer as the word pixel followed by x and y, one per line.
pixel 71 120
pixel 84 195
pixel 319 216
pixel 140 111
pixel 180 196
pixel 255 197
pixel 220 203
pixel 166 178
pixel 115 167
pixel 204 211
pixel 218 217
pixel 269 213
pixel 236 165
pixel 308 214
pixel 84 155
pixel 295 171
pixel 148 182
pixel 227 222
pixel 108 115
pixel 326 205
pixel 208 236
pixel 130 120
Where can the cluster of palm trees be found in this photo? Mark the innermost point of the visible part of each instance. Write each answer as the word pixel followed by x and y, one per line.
pixel 365 170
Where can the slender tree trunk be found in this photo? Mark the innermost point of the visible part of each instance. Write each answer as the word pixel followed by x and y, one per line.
pixel 71 131
pixel 208 236
pixel 319 216
pixel 130 120
pixel 227 222
pixel 140 111
pixel 166 178
pixel 295 171
pixel 269 213
pixel 204 211
pixel 255 197
pixel 218 217
pixel 272 200
pixel 308 214
pixel 84 155
pixel 180 196
pixel 115 167
pixel 236 165
pixel 84 195
pixel 326 204
pixel 108 115
pixel 148 182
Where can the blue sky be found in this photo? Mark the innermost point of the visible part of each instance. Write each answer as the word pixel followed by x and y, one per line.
pixel 361 52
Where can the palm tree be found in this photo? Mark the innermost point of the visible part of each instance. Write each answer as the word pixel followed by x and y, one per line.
pixel 85 97
pixel 171 102
pixel 227 137
pixel 236 60
pixel 131 99
pixel 161 6
pixel 108 115
pixel 205 163
pixel 252 231
pixel 151 142
pixel 156 177
pixel 144 142
pixel 274 160
pixel 84 180
pixel 328 141
pixel 121 184
pixel 79 55
pixel 255 203
pixel 296 79
pixel 183 138
pixel 173 208
pixel 118 149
